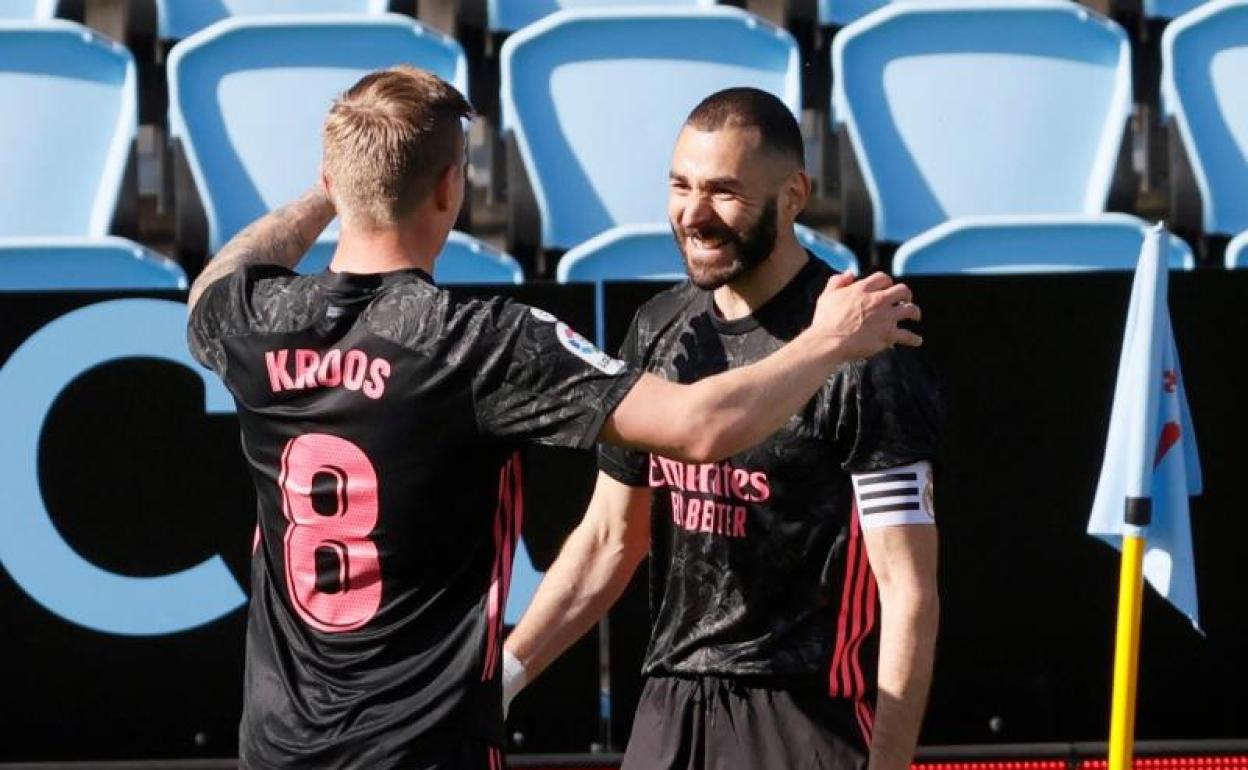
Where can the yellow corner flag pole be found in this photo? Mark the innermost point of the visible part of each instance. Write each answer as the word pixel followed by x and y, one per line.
pixel 1127 651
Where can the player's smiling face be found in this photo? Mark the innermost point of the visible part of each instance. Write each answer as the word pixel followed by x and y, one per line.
pixel 721 203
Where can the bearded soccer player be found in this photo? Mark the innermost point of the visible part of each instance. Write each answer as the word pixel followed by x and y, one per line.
pixel 768 647
pixel 381 418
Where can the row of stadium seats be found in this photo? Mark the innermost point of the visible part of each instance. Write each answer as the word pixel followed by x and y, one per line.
pixel 178 19
pixel 482 25
pixel 975 124
pixel 842 12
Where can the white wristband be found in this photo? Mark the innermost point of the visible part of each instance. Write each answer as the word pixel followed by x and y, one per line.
pixel 514 678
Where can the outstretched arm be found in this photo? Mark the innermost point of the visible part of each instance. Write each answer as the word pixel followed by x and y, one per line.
pixel 280 237
pixel 592 570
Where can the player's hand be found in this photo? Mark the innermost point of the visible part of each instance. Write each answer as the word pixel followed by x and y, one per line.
pixel 860 318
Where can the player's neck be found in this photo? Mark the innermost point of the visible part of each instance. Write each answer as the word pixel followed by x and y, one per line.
pixel 382 251
pixel 746 294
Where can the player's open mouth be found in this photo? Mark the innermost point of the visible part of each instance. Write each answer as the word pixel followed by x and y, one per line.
pixel 708 244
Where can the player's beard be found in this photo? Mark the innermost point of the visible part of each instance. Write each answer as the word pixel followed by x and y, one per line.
pixel 742 251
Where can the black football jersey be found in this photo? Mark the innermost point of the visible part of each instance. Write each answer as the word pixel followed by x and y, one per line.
pixel 758 567
pixel 380 419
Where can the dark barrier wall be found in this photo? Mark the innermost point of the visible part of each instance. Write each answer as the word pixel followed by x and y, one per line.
pixel 149 516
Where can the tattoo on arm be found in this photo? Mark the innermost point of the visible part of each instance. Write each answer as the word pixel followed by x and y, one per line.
pixel 280 237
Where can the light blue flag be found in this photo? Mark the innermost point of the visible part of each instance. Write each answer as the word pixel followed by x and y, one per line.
pixel 1150 454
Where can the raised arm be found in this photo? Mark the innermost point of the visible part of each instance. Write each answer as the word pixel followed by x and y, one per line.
pixel 593 569
pixel 280 237
pixel 722 415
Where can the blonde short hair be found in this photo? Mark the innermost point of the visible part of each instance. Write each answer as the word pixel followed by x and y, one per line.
pixel 387 141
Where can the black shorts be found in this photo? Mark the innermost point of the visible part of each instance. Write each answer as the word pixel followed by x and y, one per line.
pixel 710 723
pixel 468 755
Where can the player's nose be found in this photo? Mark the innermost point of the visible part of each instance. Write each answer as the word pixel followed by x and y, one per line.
pixel 697 212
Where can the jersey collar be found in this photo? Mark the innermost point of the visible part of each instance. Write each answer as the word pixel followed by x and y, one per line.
pixel 782 302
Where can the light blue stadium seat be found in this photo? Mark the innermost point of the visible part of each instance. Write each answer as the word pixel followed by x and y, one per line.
pixel 79 264
pixel 1204 89
pixel 248 98
pixel 464 260
pixel 177 19
pixel 648 252
pixel 64 144
pixel 1169 9
pixel 838 13
pixel 833 252
pixel 1038 244
pixel 511 15
pixel 66 130
pixel 639 252
pixel 1237 252
pixel 596 99
pixel 988 107
pixel 28 10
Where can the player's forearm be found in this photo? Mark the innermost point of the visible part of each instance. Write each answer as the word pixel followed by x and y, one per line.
pixel 908 628
pixel 280 237
pixel 738 408
pixel 589 575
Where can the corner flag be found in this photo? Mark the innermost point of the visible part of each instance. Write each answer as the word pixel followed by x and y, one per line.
pixel 1151 466
pixel 1150 461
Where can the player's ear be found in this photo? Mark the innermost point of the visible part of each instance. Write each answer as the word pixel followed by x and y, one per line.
pixel 327 184
pixel 796 193
pixel 443 190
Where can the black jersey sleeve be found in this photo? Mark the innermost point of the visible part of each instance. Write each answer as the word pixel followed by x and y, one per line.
pixel 889 412
pixel 213 318
pixel 537 379
pixel 223 310
pixel 627 466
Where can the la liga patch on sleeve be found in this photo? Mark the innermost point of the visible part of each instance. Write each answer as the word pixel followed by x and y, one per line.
pixel 585 350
